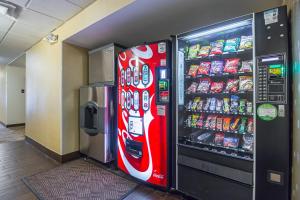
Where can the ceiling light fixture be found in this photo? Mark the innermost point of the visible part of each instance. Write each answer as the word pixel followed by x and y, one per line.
pixel 3 10
pixel 51 38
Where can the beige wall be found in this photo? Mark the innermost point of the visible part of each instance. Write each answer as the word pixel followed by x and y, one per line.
pixel 3 94
pixel 12 101
pixel 44 74
pixel 15 98
pixel 75 74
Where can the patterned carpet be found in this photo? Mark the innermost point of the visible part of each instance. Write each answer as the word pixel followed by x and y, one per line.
pixel 79 180
pixel 11 134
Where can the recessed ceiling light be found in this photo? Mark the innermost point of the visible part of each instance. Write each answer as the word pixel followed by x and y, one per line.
pixel 3 10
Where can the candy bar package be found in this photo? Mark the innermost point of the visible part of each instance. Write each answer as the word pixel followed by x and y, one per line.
pixel 204 85
pixel 248 142
pixel 195 103
pixel 234 106
pixel 213 102
pixel 219 105
pixel 249 108
pixel 204 137
pixel 246 42
pixel 206 105
pixel 204 68
pixel 246 66
pixel 219 125
pixel 232 86
pixel 216 87
pixel 207 121
pixel 242 107
pixel 204 51
pixel 250 125
pixel 200 121
pixel 226 106
pixel 216 67
pixel 192 88
pixel 200 105
pixel 188 106
pixel 188 121
pixel 231 65
pixel 226 123
pixel 231 45
pixel 217 47
pixel 213 122
pixel 234 124
pixel 194 120
pixel 246 83
pixel 193 70
pixel 219 139
pixel 193 51
pixel 231 142
pixel 243 125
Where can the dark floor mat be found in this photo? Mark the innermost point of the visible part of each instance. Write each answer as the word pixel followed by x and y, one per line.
pixel 79 180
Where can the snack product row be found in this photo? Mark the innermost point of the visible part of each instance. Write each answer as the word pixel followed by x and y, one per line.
pixel 240 125
pixel 232 105
pixel 220 47
pixel 220 67
pixel 206 85
pixel 223 140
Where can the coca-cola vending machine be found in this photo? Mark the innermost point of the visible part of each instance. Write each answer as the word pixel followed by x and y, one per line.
pixel 144 113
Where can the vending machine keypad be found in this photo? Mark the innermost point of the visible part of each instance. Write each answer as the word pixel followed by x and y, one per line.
pixel 272 79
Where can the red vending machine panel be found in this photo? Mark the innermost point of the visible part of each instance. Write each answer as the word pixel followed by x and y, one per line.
pixel 143 97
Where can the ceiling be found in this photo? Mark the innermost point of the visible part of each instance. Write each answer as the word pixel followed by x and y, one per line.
pixel 37 19
pixel 150 20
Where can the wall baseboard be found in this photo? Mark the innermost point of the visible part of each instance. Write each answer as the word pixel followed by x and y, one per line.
pixel 59 158
pixel 11 125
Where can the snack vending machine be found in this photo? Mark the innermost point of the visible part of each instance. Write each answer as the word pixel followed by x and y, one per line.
pixel 232 109
pixel 144 140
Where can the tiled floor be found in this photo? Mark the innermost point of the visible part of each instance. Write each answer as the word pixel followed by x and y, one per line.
pixel 11 134
pixel 19 159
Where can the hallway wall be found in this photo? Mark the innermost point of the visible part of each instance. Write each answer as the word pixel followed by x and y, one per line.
pixel 3 94
pixel 44 83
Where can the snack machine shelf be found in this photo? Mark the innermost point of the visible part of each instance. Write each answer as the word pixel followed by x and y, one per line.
pixel 222 131
pixel 224 75
pixel 226 151
pixel 245 93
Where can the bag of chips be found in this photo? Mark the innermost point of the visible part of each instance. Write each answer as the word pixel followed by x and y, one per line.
pixel 188 121
pixel 231 142
pixel 231 45
pixel 232 86
pixel 216 67
pixel 213 102
pixel 219 139
pixel 193 51
pixel 248 142
pixel 234 106
pixel 204 137
pixel 195 103
pixel 193 70
pixel 194 120
pixel 226 123
pixel 216 87
pixel 217 47
pixel 219 105
pixel 204 85
pixel 246 42
pixel 249 108
pixel 234 124
pixel 200 106
pixel 242 107
pixel 204 51
pixel 246 66
pixel 207 122
pixel 188 106
pixel 200 121
pixel 246 83
pixel 192 88
pixel 213 122
pixel 226 106
pixel 206 105
pixel 242 129
pixel 204 68
pixel 231 65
